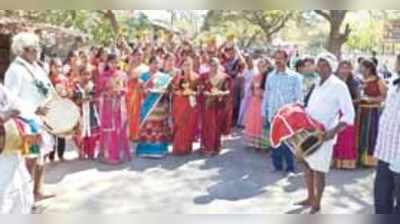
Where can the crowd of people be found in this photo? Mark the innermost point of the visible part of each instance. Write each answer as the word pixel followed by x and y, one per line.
pixel 138 99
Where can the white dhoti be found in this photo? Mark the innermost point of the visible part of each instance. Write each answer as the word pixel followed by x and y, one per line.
pixel 16 188
pixel 322 158
pixel 46 147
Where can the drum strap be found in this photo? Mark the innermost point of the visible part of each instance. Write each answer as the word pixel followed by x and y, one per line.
pixel 38 83
pixel 307 98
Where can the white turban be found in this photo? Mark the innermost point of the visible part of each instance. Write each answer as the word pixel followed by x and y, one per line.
pixel 330 58
pixel 24 40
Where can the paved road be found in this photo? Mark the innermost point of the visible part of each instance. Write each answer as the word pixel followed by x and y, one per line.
pixel 237 181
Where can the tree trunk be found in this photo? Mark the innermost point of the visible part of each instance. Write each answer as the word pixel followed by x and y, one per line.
pixel 335 41
pixel 113 20
pixel 110 15
pixel 336 38
pixel 251 40
pixel 209 19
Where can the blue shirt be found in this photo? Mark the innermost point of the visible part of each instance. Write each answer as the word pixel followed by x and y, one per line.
pixel 281 88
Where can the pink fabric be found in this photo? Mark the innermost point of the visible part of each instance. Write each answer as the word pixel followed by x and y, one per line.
pixel 345 148
pixel 253 119
pixel 114 143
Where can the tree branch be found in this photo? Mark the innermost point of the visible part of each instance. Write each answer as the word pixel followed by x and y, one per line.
pixel 324 14
pixel 281 25
pixel 347 31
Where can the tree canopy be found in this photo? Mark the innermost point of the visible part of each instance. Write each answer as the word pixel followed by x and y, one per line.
pixel 309 29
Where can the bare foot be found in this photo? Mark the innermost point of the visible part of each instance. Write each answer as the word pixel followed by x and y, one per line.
pixel 207 154
pixel 315 210
pixel 305 203
pixel 41 197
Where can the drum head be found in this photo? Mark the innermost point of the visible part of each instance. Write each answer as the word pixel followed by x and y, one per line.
pixel 62 117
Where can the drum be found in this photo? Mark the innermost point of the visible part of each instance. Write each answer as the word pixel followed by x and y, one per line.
pixel 62 118
pixel 294 127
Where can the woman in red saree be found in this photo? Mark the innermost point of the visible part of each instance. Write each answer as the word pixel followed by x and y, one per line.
pixel 215 89
pixel 135 95
pixel 185 109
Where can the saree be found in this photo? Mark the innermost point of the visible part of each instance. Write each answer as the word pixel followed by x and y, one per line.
pixel 185 116
pixel 154 133
pixel 213 115
pixel 233 68
pixel 367 124
pixel 245 100
pixel 114 144
pixel 134 100
pixel 87 135
pixel 255 134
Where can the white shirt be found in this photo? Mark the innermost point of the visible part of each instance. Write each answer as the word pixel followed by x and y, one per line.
pixel 330 99
pixel 325 104
pixel 387 147
pixel 390 81
pixel 7 101
pixel 20 83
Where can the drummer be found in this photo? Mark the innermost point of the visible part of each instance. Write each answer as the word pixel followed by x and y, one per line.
pixel 16 194
pixel 325 107
pixel 29 83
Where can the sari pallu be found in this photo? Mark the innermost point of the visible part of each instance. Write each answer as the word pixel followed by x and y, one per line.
pixel 213 115
pixel 134 101
pixel 155 133
pixel 185 117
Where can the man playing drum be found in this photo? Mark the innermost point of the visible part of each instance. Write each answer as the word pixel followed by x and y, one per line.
pixel 29 83
pixel 329 97
pixel 16 190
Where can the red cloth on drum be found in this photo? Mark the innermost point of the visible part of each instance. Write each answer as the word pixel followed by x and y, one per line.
pixel 289 120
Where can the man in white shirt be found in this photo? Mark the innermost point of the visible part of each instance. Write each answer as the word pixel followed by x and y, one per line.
pixel 29 84
pixel 16 190
pixel 387 151
pixel 329 98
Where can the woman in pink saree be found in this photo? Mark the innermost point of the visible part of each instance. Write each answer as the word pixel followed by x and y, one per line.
pixel 114 143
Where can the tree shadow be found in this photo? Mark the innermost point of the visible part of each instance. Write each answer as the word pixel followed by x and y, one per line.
pixel 299 210
pixel 343 198
pixel 241 174
pixel 170 162
pixel 56 172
